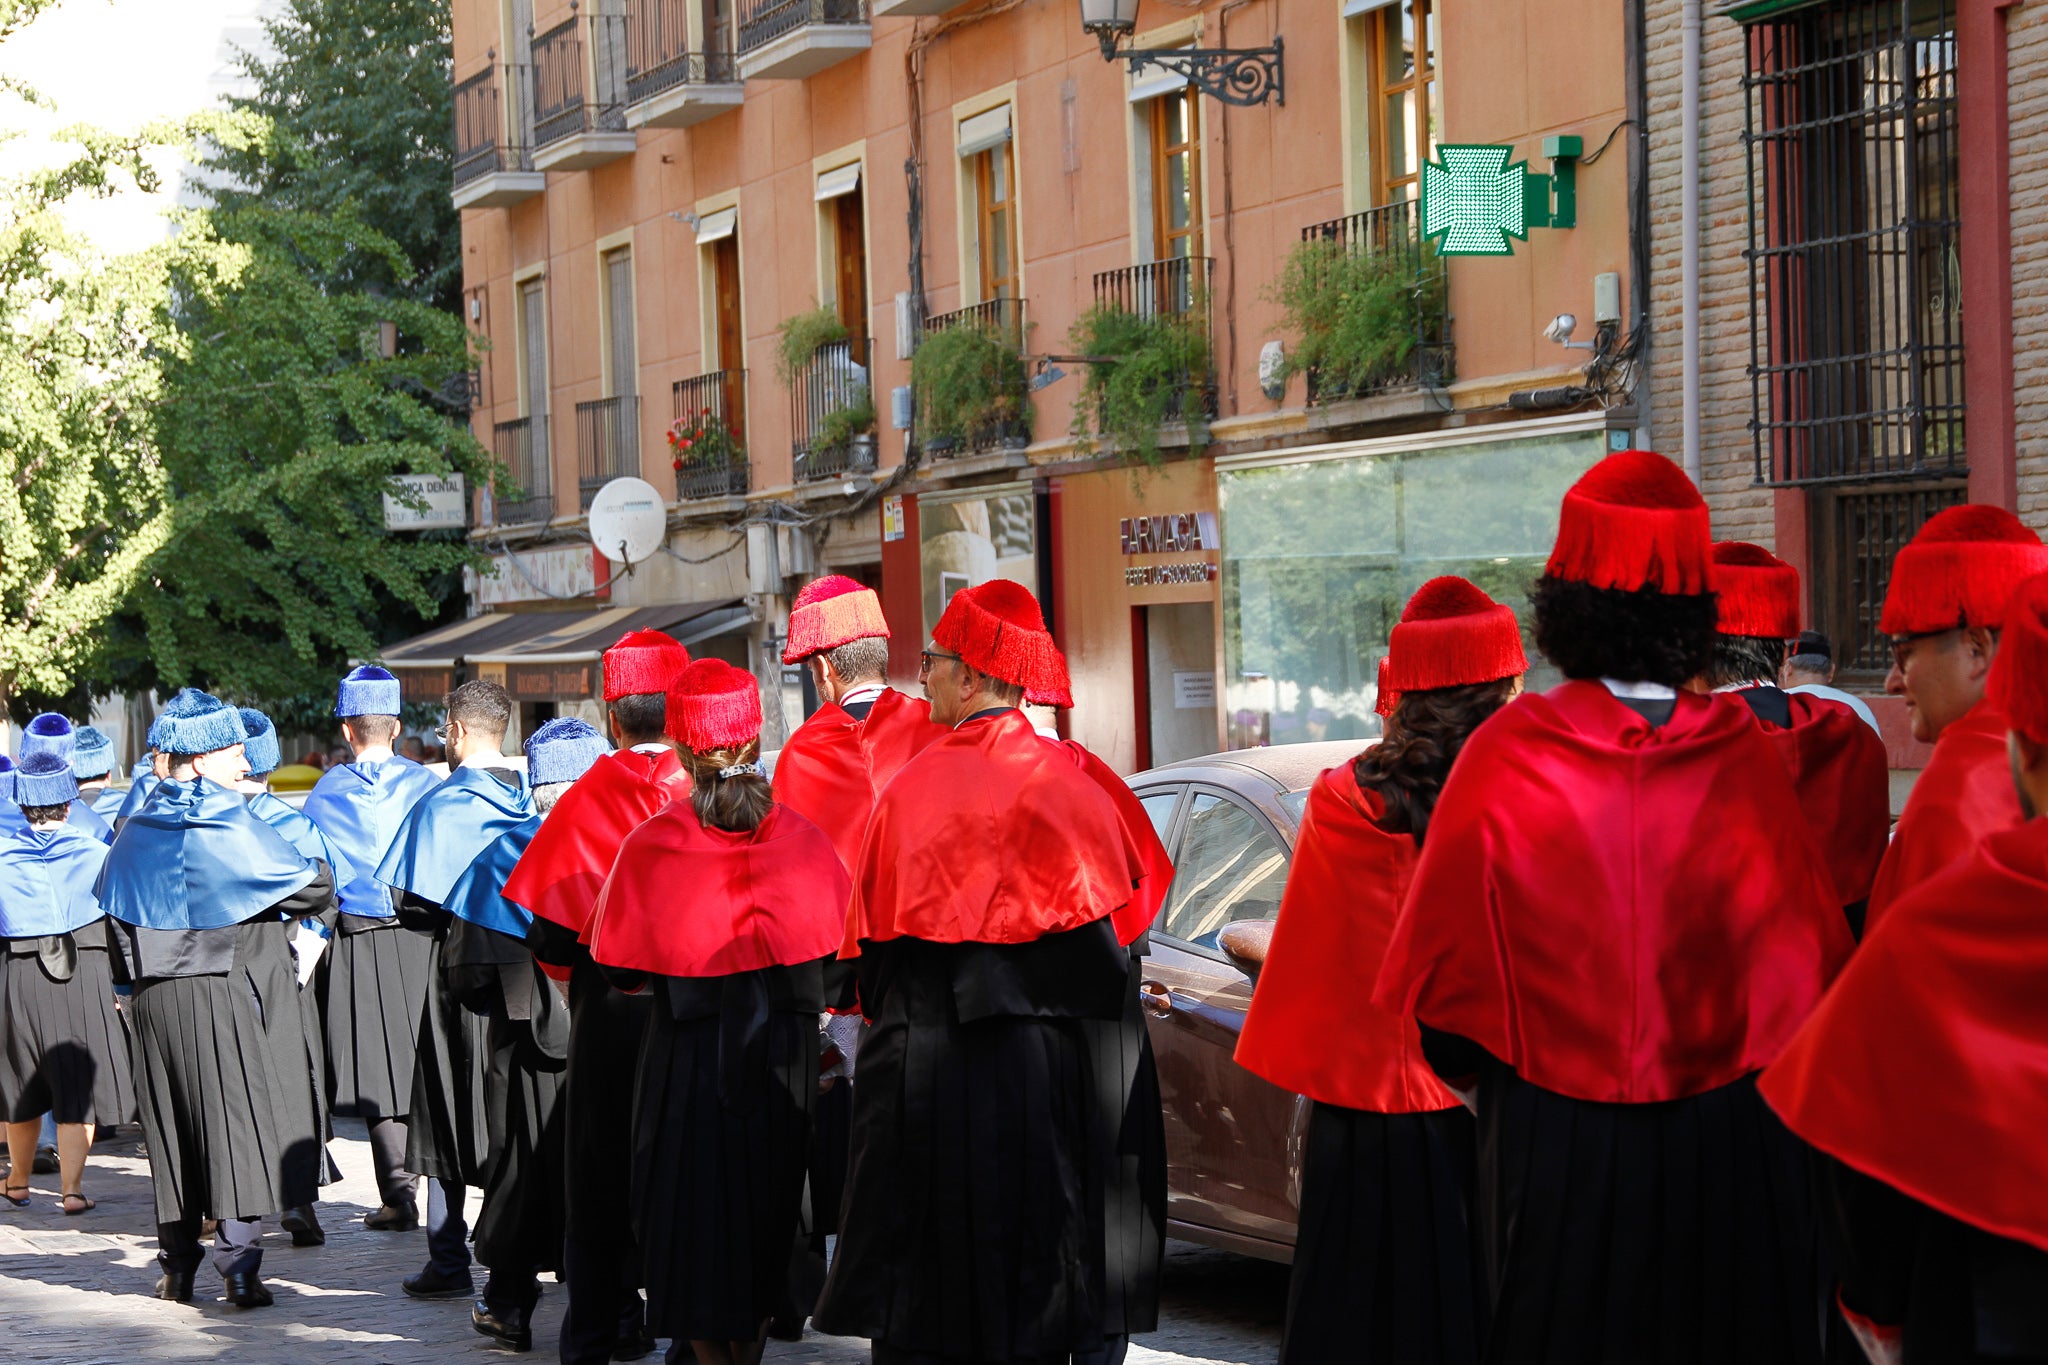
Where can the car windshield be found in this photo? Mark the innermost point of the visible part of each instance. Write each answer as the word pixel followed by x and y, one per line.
pixel 1294 803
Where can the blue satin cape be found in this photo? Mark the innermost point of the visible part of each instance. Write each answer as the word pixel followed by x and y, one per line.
pixel 88 821
pixel 46 880
pixel 194 857
pixel 137 794
pixel 303 835
pixel 107 805
pixel 451 825
pixel 359 807
pixel 479 892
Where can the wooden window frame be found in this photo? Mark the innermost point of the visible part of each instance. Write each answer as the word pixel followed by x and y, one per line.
pixel 985 210
pixel 1163 233
pixel 1423 81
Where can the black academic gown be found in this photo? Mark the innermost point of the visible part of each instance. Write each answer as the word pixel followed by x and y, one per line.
pixel 64 1049
pixel 448 1132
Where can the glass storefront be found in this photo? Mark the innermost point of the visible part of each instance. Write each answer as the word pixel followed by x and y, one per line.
pixel 1320 556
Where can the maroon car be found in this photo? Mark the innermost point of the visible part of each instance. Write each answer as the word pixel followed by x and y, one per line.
pixel 1233 1141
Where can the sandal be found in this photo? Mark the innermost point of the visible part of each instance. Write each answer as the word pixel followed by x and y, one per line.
pixel 88 1205
pixel 9 1195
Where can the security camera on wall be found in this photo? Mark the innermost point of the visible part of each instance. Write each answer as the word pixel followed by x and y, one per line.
pixel 1561 328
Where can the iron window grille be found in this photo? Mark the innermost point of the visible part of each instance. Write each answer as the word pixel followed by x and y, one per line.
pixel 1010 427
pixel 832 412
pixel 658 55
pixel 607 444
pixel 1393 231
pixel 1178 286
pixel 522 448
pixel 763 22
pixel 710 413
pixel 571 95
pixel 483 144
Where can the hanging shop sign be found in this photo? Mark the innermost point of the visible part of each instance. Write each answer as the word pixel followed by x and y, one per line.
pixel 546 682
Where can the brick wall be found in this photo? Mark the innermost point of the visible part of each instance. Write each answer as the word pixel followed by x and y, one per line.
pixel 2027 53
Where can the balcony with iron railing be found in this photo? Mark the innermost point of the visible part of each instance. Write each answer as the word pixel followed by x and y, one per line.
pixel 792 39
pixel 579 94
pixel 607 444
pixel 667 84
pixel 1158 316
pixel 1378 261
pixel 832 412
pixel 708 440
pixel 973 391
pixel 493 163
pixel 526 488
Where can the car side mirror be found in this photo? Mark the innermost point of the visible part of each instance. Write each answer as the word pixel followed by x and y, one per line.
pixel 1245 943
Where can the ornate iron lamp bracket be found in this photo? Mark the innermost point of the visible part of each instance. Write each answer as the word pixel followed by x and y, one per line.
pixel 1235 75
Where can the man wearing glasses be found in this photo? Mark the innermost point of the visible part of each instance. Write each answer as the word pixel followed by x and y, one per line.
pixel 1944 609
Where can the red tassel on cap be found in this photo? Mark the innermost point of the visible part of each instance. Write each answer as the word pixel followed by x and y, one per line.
pixel 1758 593
pixel 1960 570
pixel 830 612
pixel 1450 634
pixel 1634 521
pixel 714 706
pixel 2018 685
pixel 642 661
pixel 998 629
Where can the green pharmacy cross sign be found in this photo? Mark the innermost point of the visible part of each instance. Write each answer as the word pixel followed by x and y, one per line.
pixel 1474 200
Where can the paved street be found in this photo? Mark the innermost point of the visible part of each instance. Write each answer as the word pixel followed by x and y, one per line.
pixel 76 1290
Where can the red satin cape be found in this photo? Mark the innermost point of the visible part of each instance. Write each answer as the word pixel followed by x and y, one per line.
pixel 1840 771
pixel 684 900
pixel 1963 794
pixel 1623 912
pixel 562 870
pixel 1142 847
pixel 1927 1065
pixel 1307 1029
pixel 834 765
pixel 990 835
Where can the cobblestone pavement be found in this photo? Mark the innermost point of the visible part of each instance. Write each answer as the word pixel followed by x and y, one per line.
pixel 77 1290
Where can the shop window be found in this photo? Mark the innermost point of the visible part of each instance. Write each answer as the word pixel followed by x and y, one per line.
pixel 1176 645
pixel 967 539
pixel 1174 121
pixel 1856 276
pixel 1320 557
pixel 1231 867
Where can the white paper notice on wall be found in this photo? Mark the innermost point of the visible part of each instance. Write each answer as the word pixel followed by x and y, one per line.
pixel 1194 691
pixel 892 518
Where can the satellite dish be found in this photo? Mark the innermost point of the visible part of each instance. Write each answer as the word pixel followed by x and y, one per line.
pixel 628 520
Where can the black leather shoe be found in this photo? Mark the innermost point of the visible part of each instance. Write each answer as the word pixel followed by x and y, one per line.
pixel 304 1226
pixel 175 1285
pixel 432 1284
pixel 637 1346
pixel 246 1290
pixel 508 1326
pixel 393 1218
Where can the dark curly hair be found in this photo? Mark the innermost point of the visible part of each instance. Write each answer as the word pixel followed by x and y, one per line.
pixel 1640 636
pixel 1409 764
pixel 1746 658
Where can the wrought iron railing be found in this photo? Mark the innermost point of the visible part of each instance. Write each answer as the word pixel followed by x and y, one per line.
pixel 483 142
pixel 1177 287
pixel 607 444
pixel 711 416
pixel 522 448
pixel 572 94
pixel 763 23
pixel 658 55
pixel 1008 421
pixel 832 412
pixel 1392 234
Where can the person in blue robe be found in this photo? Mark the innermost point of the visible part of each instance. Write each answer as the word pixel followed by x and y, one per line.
pixel 488 968
pixel 63 1049
pixel 92 763
pixel 372 987
pixel 202 892
pixel 448 1137
pixel 143 777
pixel 50 733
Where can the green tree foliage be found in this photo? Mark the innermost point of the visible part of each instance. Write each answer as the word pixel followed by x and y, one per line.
pixel 357 94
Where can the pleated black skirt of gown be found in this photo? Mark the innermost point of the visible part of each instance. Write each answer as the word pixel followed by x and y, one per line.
pixel 606 1028
pixel 222 1087
pixel 973 1224
pixel 64 1048
pixel 447 1134
pixel 519 1225
pixel 372 991
pixel 728 1079
pixel 1133 1144
pixel 1383 1267
pixel 1678 1233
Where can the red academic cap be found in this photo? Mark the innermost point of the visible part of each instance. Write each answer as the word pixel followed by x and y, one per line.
pixel 642 661
pixel 998 629
pixel 1960 570
pixel 2019 674
pixel 1634 521
pixel 1758 592
pixel 1450 634
pixel 714 706
pixel 830 612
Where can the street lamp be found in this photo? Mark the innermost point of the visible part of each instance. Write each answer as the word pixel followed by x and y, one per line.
pixel 1235 75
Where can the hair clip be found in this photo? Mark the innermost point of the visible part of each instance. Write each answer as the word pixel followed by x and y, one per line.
pixel 741 770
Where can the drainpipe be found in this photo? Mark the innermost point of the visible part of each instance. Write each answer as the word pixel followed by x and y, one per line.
pixel 1689 228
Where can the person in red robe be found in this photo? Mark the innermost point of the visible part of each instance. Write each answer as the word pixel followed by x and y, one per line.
pixel 1943 609
pixel 1383 1269
pixel 558 879
pixel 1837 763
pixel 1920 1079
pixel 724 910
pixel 1619 917
pixel 991 906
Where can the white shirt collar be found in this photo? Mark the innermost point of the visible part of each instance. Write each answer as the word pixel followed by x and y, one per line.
pixel 375 753
pixel 865 692
pixel 1640 691
pixel 1751 685
pixel 649 748
pixel 496 760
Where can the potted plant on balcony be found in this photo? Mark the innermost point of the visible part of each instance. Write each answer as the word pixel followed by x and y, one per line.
pixel 799 339
pixel 1154 369
pixel 1358 316
pixel 970 386
pixel 850 424
pixel 704 454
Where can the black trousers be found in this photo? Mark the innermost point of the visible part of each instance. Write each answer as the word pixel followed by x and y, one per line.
pixel 604 1305
pixel 236 1248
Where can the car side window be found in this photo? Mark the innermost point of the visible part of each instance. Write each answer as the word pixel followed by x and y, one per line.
pixel 1230 868
pixel 1159 807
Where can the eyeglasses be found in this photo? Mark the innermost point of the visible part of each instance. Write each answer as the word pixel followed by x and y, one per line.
pixel 925 657
pixel 1902 645
pixel 445 731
